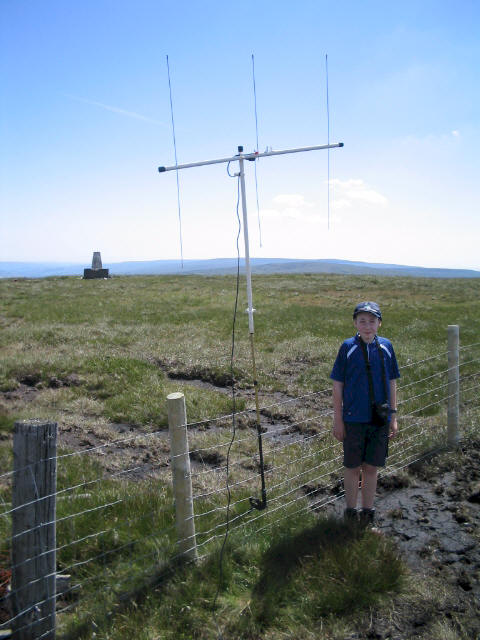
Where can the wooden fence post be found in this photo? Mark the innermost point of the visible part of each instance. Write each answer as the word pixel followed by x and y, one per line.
pixel 453 412
pixel 33 530
pixel 182 480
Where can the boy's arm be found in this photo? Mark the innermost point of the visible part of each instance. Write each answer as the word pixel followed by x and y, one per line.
pixel 393 404
pixel 338 425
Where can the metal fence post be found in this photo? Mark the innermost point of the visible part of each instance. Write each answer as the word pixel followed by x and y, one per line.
pixel 182 480
pixel 33 529
pixel 453 432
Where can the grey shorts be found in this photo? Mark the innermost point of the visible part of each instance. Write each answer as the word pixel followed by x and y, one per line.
pixel 365 443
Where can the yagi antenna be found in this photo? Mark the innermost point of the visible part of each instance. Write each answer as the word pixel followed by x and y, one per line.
pixel 240 158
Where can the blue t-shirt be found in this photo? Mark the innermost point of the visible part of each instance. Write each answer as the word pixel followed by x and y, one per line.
pixel 350 368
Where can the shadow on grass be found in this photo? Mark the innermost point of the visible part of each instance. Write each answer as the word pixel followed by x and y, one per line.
pixel 125 600
pixel 330 568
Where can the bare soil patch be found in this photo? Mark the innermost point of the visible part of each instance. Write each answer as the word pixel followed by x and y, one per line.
pixel 432 511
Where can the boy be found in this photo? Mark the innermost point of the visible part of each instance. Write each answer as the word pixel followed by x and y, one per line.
pixel 356 422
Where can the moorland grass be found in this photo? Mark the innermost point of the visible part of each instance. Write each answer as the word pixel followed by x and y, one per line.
pixel 130 332
pixel 293 576
pixel 108 352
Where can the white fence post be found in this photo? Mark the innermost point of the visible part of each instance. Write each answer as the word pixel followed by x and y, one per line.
pixel 33 529
pixel 182 480
pixel 453 433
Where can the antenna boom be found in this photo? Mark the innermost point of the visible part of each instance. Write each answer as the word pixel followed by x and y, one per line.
pixel 249 156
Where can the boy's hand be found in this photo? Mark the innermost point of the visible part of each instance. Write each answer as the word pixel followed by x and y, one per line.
pixel 393 426
pixel 338 430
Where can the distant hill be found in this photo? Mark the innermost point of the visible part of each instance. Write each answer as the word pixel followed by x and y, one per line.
pixel 223 266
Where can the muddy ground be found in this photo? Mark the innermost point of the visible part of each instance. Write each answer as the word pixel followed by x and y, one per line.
pixel 432 512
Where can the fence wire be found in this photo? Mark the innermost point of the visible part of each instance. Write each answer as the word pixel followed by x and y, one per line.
pixel 303 473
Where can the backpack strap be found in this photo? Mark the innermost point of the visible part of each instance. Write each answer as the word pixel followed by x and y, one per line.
pixel 371 392
pixel 382 358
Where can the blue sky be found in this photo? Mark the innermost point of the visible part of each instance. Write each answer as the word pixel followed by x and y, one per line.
pixel 85 122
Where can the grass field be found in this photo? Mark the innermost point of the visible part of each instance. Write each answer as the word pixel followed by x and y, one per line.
pixel 122 336
pixel 100 357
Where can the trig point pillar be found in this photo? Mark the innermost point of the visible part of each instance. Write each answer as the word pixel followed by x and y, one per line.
pixel 97 270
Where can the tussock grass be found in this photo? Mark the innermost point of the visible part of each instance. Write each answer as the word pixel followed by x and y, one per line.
pixel 299 573
pixel 146 327
pixel 329 568
pixel 128 342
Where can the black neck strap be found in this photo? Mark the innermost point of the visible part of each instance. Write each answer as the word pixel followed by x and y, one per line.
pixel 369 368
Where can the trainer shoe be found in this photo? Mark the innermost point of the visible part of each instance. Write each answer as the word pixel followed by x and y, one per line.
pixel 367 520
pixel 350 515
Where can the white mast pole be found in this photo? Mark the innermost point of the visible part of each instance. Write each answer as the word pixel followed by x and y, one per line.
pixel 248 270
pixel 255 502
pixel 241 157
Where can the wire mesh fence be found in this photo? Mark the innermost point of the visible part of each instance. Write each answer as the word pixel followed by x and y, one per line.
pixel 116 528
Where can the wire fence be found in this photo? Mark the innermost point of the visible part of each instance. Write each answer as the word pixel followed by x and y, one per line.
pixel 117 528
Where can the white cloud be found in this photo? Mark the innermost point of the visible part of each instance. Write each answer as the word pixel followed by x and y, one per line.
pixel 291 201
pixel 340 203
pixel 430 140
pixel 346 193
pixel 292 206
pixel 269 213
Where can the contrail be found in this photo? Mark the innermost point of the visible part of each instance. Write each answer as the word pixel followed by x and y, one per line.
pixel 123 112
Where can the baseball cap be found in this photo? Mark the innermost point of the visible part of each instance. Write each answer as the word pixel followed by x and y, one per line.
pixel 368 307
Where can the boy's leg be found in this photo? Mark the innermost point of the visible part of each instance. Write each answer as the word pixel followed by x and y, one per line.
pixel 369 485
pixel 350 482
pixel 353 445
